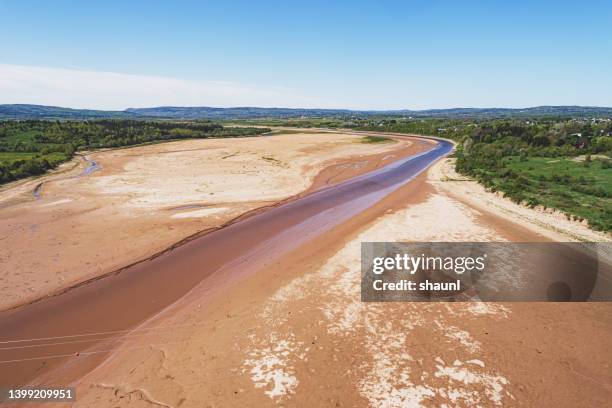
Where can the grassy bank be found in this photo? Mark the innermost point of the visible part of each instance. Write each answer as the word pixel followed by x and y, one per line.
pixel 376 139
pixel 582 190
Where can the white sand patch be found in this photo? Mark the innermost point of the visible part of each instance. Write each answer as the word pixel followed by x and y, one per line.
pixel 57 202
pixel 457 373
pixel 266 372
pixel 424 222
pixel 463 337
pixel 295 290
pixel 204 212
pixel 387 380
pixel 271 368
pixel 408 397
pixel 477 362
pixel 347 319
pixel 227 171
pixel 482 308
pixel 390 374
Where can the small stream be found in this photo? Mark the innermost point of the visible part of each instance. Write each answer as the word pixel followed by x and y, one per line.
pixel 91 167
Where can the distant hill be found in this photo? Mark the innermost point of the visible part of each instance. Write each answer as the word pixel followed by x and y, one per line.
pixel 23 111
pixel 538 111
pixel 234 113
pixel 251 113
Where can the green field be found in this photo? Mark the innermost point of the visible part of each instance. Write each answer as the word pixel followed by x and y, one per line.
pixel 582 190
pixel 376 139
pixel 16 165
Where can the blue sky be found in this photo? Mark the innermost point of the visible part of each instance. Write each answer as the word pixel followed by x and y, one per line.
pixel 363 55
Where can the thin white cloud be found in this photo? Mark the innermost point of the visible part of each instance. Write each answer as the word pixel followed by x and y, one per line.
pixel 110 90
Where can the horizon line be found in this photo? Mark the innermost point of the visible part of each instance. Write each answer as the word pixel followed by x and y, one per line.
pixel 304 108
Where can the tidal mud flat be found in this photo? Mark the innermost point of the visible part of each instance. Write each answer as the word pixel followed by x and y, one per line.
pixel 293 332
pixel 116 303
pixel 296 333
pixel 80 224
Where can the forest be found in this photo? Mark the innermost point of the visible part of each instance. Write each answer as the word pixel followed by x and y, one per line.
pixel 31 147
pixel 549 162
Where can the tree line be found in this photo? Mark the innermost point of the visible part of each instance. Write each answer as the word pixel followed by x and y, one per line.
pixel 31 147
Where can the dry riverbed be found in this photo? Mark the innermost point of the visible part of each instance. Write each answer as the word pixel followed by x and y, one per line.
pixel 296 333
pixel 74 225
